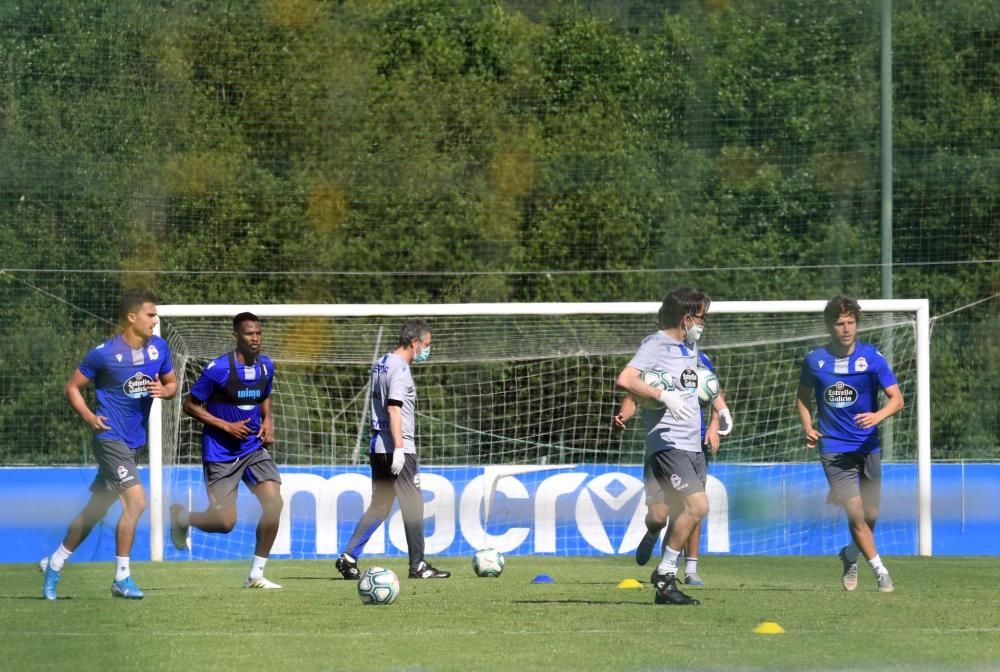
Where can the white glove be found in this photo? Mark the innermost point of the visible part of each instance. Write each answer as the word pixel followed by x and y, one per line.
pixel 676 403
pixel 725 422
pixel 398 460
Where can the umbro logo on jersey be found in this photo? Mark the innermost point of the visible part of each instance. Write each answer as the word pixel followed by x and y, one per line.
pixel 118 356
pixel 821 363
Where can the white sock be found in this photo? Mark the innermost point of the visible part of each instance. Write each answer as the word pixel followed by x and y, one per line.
pixel 668 565
pixel 59 558
pixel 852 552
pixel 121 568
pixel 877 566
pixel 184 517
pixel 257 567
pixel 691 566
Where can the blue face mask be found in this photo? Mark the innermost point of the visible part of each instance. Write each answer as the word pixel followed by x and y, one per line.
pixel 422 356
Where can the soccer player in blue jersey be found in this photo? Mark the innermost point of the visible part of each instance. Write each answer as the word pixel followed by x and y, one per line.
pixel 232 399
pixel 393 454
pixel 128 370
pixel 844 378
pixel 673 446
pixel 720 423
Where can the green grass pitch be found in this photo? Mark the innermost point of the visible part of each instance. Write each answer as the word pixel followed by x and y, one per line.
pixel 944 615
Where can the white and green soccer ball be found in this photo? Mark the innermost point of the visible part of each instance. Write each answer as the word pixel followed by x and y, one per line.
pixel 708 386
pixel 661 380
pixel 488 562
pixel 378 585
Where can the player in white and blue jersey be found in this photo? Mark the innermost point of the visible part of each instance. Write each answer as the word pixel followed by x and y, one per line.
pixel 128 370
pixel 232 399
pixel 672 425
pixel 393 454
pixel 844 378
pixel 718 423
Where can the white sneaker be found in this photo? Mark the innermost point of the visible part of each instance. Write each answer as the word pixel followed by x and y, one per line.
pixel 849 578
pixel 43 564
pixel 884 582
pixel 260 582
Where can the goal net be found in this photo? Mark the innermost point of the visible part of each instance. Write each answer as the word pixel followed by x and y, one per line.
pixel 514 428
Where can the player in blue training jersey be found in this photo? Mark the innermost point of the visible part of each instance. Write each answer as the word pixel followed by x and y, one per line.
pixel 720 423
pixel 128 370
pixel 672 424
pixel 393 454
pixel 232 399
pixel 844 378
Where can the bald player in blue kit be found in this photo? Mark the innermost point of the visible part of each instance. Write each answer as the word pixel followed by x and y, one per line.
pixel 128 370
pixel 844 378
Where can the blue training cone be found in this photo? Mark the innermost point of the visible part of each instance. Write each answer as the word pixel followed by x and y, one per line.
pixel 543 578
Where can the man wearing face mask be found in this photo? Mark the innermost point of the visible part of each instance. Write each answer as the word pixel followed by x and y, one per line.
pixel 673 426
pixel 393 454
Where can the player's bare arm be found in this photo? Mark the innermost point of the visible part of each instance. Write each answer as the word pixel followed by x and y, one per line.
pixel 712 432
pixel 894 404
pixel 630 380
pixel 74 394
pixel 803 405
pixel 163 389
pixel 194 408
pixel 625 413
pixel 266 432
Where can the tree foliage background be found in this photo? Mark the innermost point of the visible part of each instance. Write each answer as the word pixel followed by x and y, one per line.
pixel 480 150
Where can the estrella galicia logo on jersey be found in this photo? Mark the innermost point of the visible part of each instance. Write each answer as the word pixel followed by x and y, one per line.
pixel 840 395
pixel 137 386
pixel 689 379
pixel 153 352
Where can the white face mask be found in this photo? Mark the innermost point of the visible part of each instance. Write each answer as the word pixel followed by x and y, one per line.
pixel 694 333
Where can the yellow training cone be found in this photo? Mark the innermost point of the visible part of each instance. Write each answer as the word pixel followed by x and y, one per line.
pixel 769 628
pixel 630 583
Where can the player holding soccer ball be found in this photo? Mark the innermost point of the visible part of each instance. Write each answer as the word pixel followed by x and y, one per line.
pixel 232 399
pixel 129 370
pixel 844 377
pixel 673 448
pixel 720 423
pixel 393 454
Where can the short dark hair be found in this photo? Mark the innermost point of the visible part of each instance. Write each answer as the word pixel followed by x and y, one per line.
pixel 412 329
pixel 839 305
pixel 680 302
pixel 241 318
pixel 132 301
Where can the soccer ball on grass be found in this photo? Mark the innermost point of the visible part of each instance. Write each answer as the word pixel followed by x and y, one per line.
pixel 488 562
pixel 378 585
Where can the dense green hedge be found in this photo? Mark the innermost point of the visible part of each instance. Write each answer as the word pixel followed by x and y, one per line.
pixel 262 137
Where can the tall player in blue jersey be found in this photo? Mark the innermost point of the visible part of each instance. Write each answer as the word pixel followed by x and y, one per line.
pixel 128 370
pixel 232 399
pixel 844 377
pixel 393 454
pixel 672 424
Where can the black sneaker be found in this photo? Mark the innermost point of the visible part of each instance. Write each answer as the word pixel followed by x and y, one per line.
pixel 425 571
pixel 348 568
pixel 667 591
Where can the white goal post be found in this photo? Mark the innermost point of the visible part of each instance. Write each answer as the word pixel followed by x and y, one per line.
pixel 918 308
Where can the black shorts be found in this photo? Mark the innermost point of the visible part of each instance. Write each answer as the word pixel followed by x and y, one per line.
pixel 223 478
pixel 117 470
pixel 853 475
pixel 679 471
